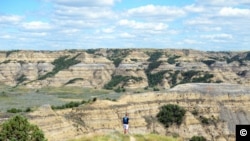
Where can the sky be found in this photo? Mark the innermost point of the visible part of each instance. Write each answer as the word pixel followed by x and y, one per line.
pixel 207 25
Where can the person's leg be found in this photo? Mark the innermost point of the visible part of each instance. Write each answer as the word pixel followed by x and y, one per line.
pixel 124 128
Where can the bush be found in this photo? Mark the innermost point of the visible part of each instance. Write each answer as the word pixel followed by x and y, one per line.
pixel 68 105
pixel 14 110
pixel 170 114
pixel 198 138
pixel 156 89
pixel 19 129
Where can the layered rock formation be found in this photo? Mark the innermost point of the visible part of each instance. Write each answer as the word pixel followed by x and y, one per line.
pixel 213 110
pixel 95 68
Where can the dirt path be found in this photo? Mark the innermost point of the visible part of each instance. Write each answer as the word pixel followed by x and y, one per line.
pixel 132 138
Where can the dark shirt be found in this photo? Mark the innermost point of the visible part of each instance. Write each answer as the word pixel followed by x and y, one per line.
pixel 125 120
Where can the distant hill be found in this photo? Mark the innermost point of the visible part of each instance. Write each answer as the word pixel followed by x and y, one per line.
pixel 119 69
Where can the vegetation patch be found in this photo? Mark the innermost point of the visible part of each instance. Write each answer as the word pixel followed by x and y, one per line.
pixel 239 58
pixel 61 63
pixel 171 114
pixel 135 60
pixel 154 56
pixel 21 79
pixel 117 55
pixel 113 136
pixel 73 80
pixel 19 129
pixel 172 59
pixel 118 79
pixel 155 137
pixel 156 78
pixel 10 52
pixel 208 62
pixel 153 65
pixel 5 62
pixel 14 110
pixel 193 76
pixel 91 51
pixel 198 138
pixel 68 105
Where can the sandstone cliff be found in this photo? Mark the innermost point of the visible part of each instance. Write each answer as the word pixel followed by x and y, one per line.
pixel 213 110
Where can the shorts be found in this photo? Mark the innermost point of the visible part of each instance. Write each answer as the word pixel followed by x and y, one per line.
pixel 125 126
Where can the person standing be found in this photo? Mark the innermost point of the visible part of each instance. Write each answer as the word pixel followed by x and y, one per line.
pixel 125 122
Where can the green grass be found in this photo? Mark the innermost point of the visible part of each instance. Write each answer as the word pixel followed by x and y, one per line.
pixel 23 98
pixel 155 137
pixel 120 137
pixel 114 136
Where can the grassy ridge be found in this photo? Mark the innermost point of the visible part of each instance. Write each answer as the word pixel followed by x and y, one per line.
pixel 120 137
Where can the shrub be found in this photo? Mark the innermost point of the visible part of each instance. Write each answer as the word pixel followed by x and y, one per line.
pixel 135 60
pixel 204 120
pixel 14 110
pixel 28 110
pixel 195 112
pixel 156 89
pixel 119 89
pixel 19 129
pixel 68 105
pixel 198 138
pixel 170 114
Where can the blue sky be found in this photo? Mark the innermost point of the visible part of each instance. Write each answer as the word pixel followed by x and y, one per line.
pixel 208 25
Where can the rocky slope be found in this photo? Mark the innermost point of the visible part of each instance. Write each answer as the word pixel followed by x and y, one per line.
pixel 213 110
pixel 95 68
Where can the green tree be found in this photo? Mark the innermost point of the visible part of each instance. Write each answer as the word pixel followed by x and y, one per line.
pixel 170 114
pixel 198 138
pixel 18 128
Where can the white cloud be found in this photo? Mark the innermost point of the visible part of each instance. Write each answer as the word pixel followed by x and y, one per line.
pixel 199 21
pixel 127 35
pixel 153 11
pixel 235 12
pixel 142 25
pixel 223 2
pixel 194 8
pixel 218 37
pixel 108 30
pixel 10 19
pixel 84 12
pixel 6 36
pixel 86 3
pixel 191 41
pixel 36 26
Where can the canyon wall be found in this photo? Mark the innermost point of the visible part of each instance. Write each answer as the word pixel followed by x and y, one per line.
pixel 212 111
